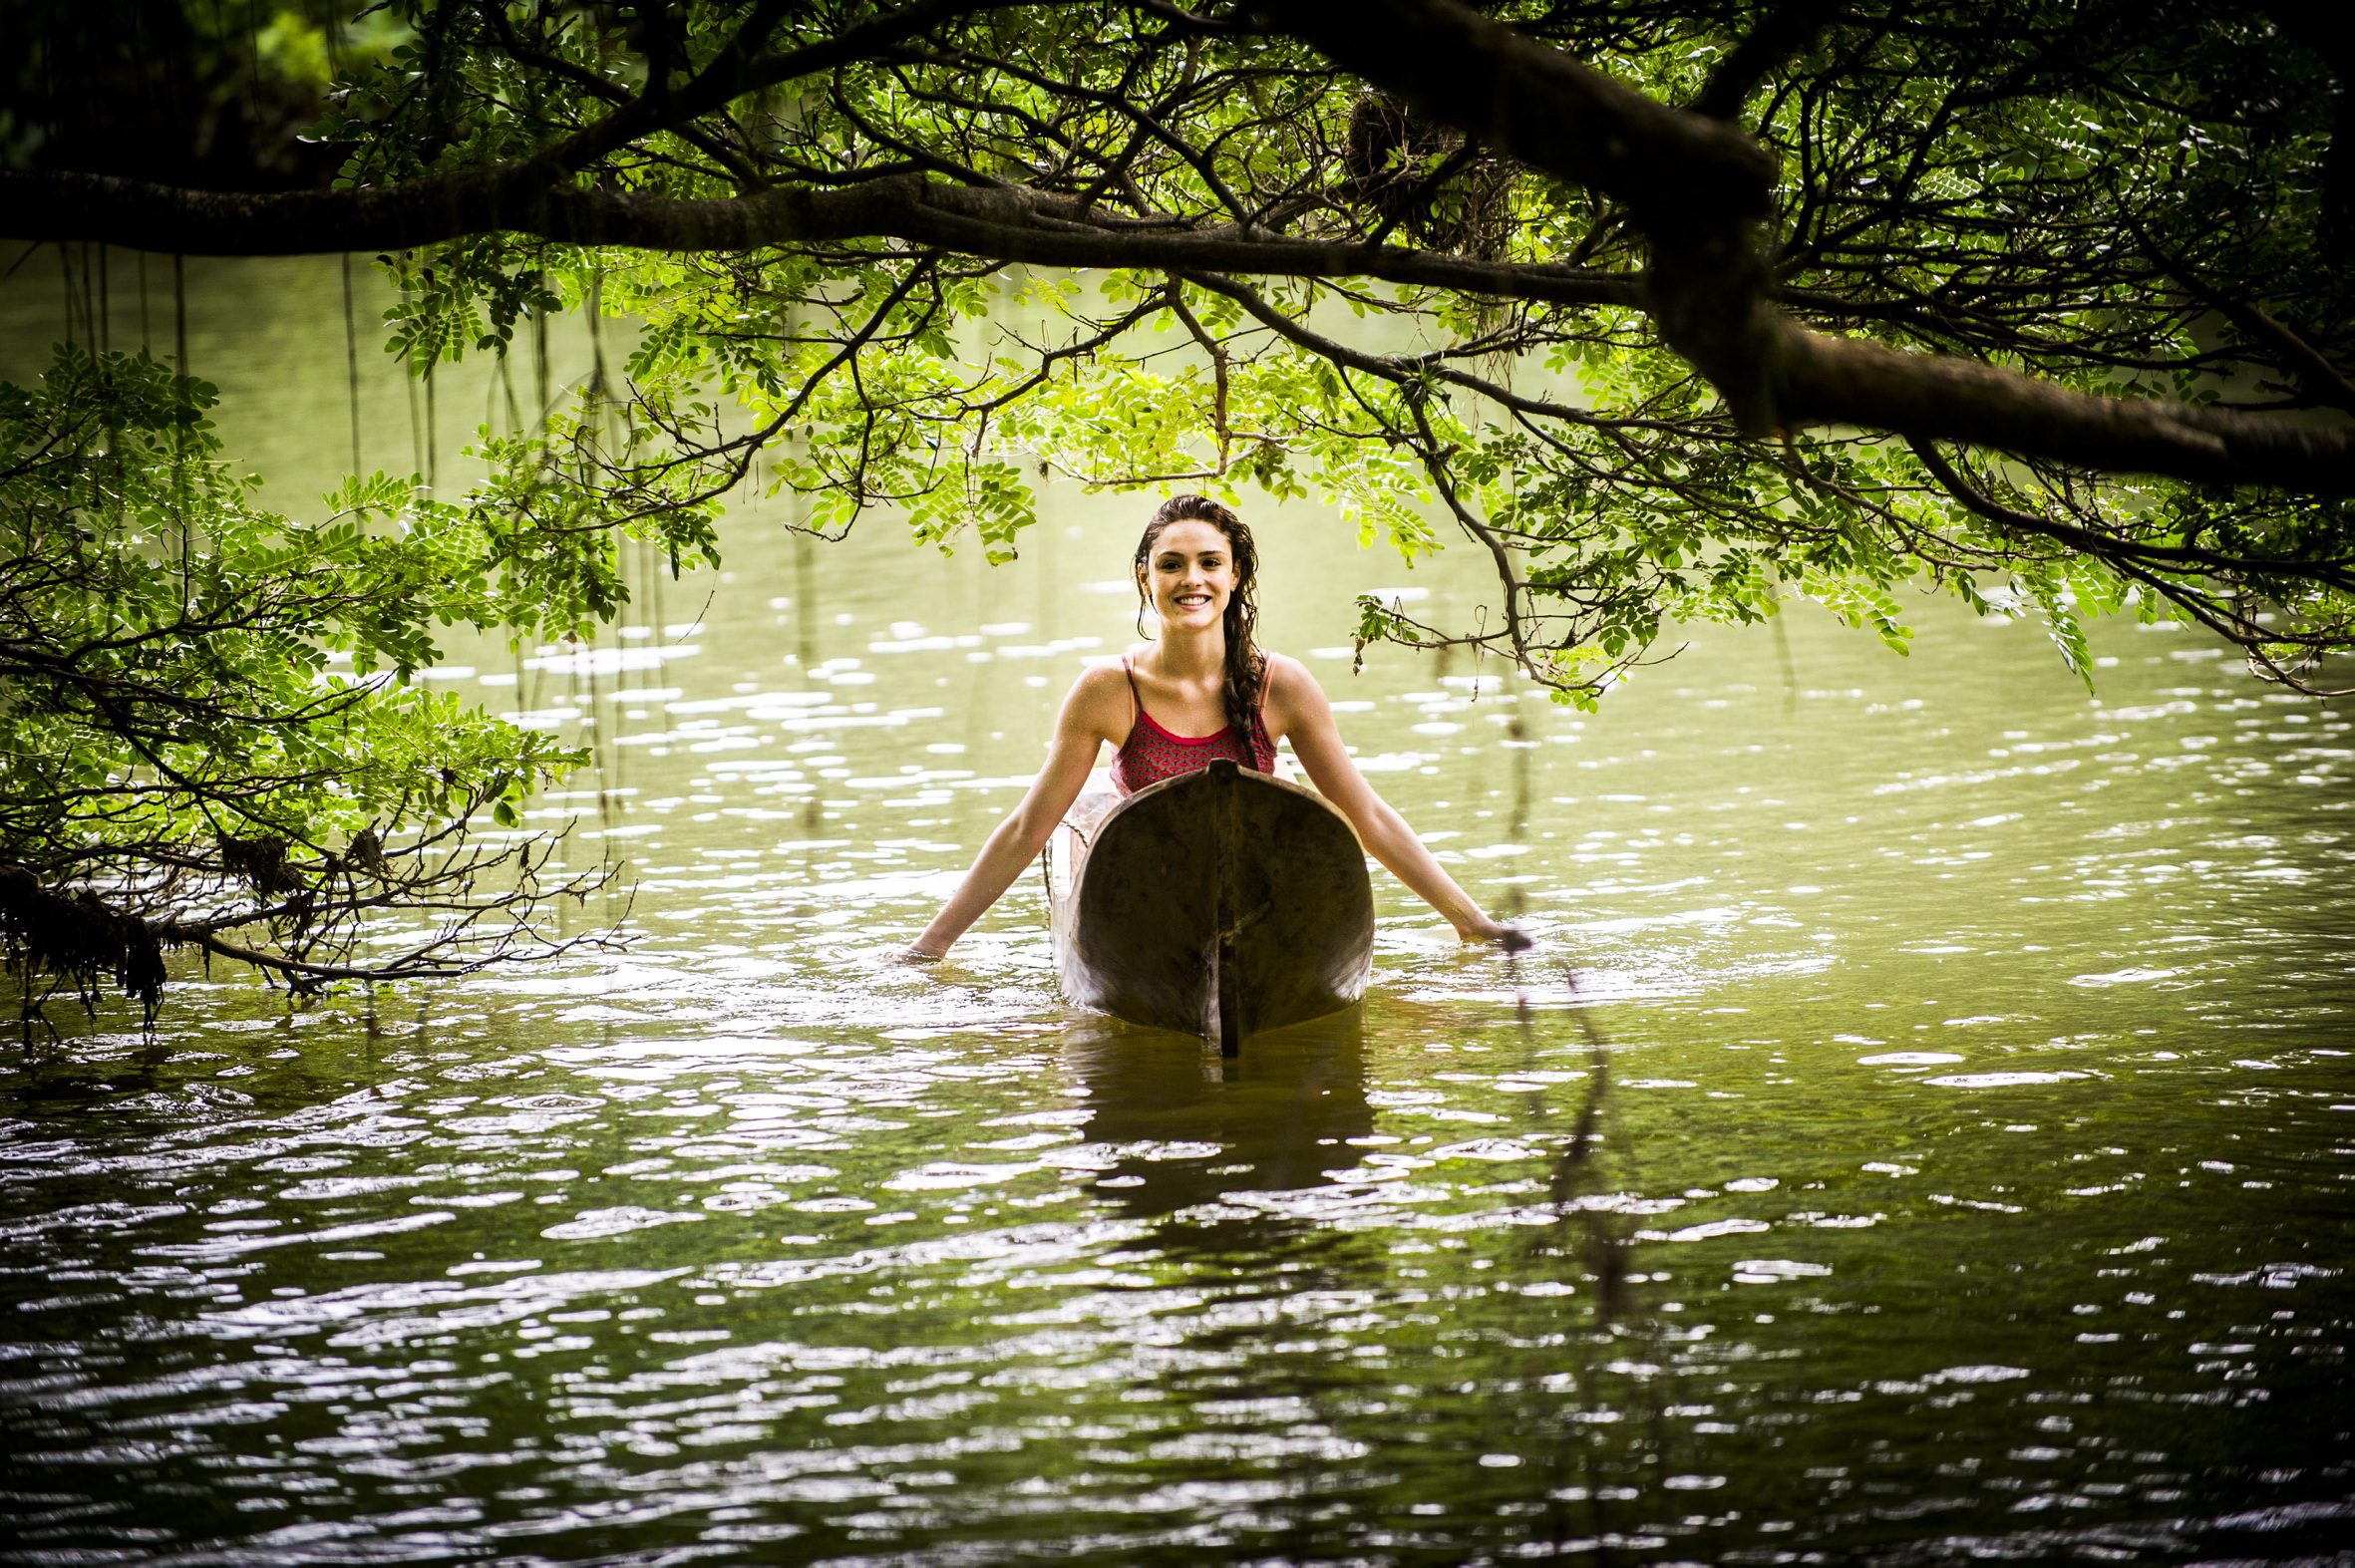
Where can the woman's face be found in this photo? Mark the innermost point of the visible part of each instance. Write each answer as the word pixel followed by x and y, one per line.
pixel 1190 574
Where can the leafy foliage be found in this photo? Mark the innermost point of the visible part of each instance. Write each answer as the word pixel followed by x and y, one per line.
pixel 2124 200
pixel 207 720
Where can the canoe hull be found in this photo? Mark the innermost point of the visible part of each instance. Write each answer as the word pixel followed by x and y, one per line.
pixel 1217 904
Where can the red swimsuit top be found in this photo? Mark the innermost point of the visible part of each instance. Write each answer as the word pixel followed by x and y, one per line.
pixel 1151 754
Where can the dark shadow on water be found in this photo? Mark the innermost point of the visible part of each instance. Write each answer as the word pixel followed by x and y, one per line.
pixel 1273 1119
pixel 1597 1236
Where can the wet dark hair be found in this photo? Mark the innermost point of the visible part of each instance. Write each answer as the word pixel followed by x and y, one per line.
pixel 1246 666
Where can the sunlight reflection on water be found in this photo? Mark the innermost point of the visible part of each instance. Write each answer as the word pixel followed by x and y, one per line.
pixel 1940 1155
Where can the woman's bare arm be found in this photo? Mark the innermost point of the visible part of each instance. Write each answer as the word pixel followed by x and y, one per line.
pixel 1306 717
pixel 1091 713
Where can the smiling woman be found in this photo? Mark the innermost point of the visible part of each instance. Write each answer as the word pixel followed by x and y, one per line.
pixel 1203 691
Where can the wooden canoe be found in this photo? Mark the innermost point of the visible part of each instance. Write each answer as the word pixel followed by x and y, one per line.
pixel 1215 903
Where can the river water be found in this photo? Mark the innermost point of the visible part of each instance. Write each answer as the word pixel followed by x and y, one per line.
pixel 1920 1135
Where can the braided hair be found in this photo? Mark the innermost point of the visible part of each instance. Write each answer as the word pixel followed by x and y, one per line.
pixel 1246 666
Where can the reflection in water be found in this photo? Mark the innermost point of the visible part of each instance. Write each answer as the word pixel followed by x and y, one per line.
pixel 1189 1126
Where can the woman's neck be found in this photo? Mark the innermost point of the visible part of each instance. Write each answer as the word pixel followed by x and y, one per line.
pixel 1190 654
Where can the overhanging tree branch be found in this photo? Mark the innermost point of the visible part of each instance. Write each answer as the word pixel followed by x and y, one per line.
pixel 1457 67
pixel 1002 223
pixel 1825 380
pixel 1695 185
pixel 2108 546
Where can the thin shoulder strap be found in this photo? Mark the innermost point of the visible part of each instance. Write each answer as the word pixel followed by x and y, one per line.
pixel 1136 699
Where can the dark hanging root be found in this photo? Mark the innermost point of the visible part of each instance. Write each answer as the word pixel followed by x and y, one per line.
pixel 260 863
pixel 1426 179
pixel 1386 153
pixel 77 939
pixel 367 852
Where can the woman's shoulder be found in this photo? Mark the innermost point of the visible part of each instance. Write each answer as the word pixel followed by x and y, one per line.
pixel 1289 679
pixel 1099 700
pixel 1105 674
pixel 1102 676
pixel 1107 684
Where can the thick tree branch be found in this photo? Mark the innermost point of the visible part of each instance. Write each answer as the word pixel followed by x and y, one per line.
pixel 1853 381
pixel 1694 184
pixel 1451 63
pixel 1005 223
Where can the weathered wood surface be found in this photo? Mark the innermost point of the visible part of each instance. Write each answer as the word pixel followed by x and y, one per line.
pixel 1219 903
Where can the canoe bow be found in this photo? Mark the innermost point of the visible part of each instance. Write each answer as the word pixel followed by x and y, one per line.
pixel 1217 902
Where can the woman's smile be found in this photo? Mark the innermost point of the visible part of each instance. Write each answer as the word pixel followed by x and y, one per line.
pixel 1194 572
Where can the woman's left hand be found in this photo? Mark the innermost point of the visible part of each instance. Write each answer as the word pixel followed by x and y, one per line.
pixel 1507 939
